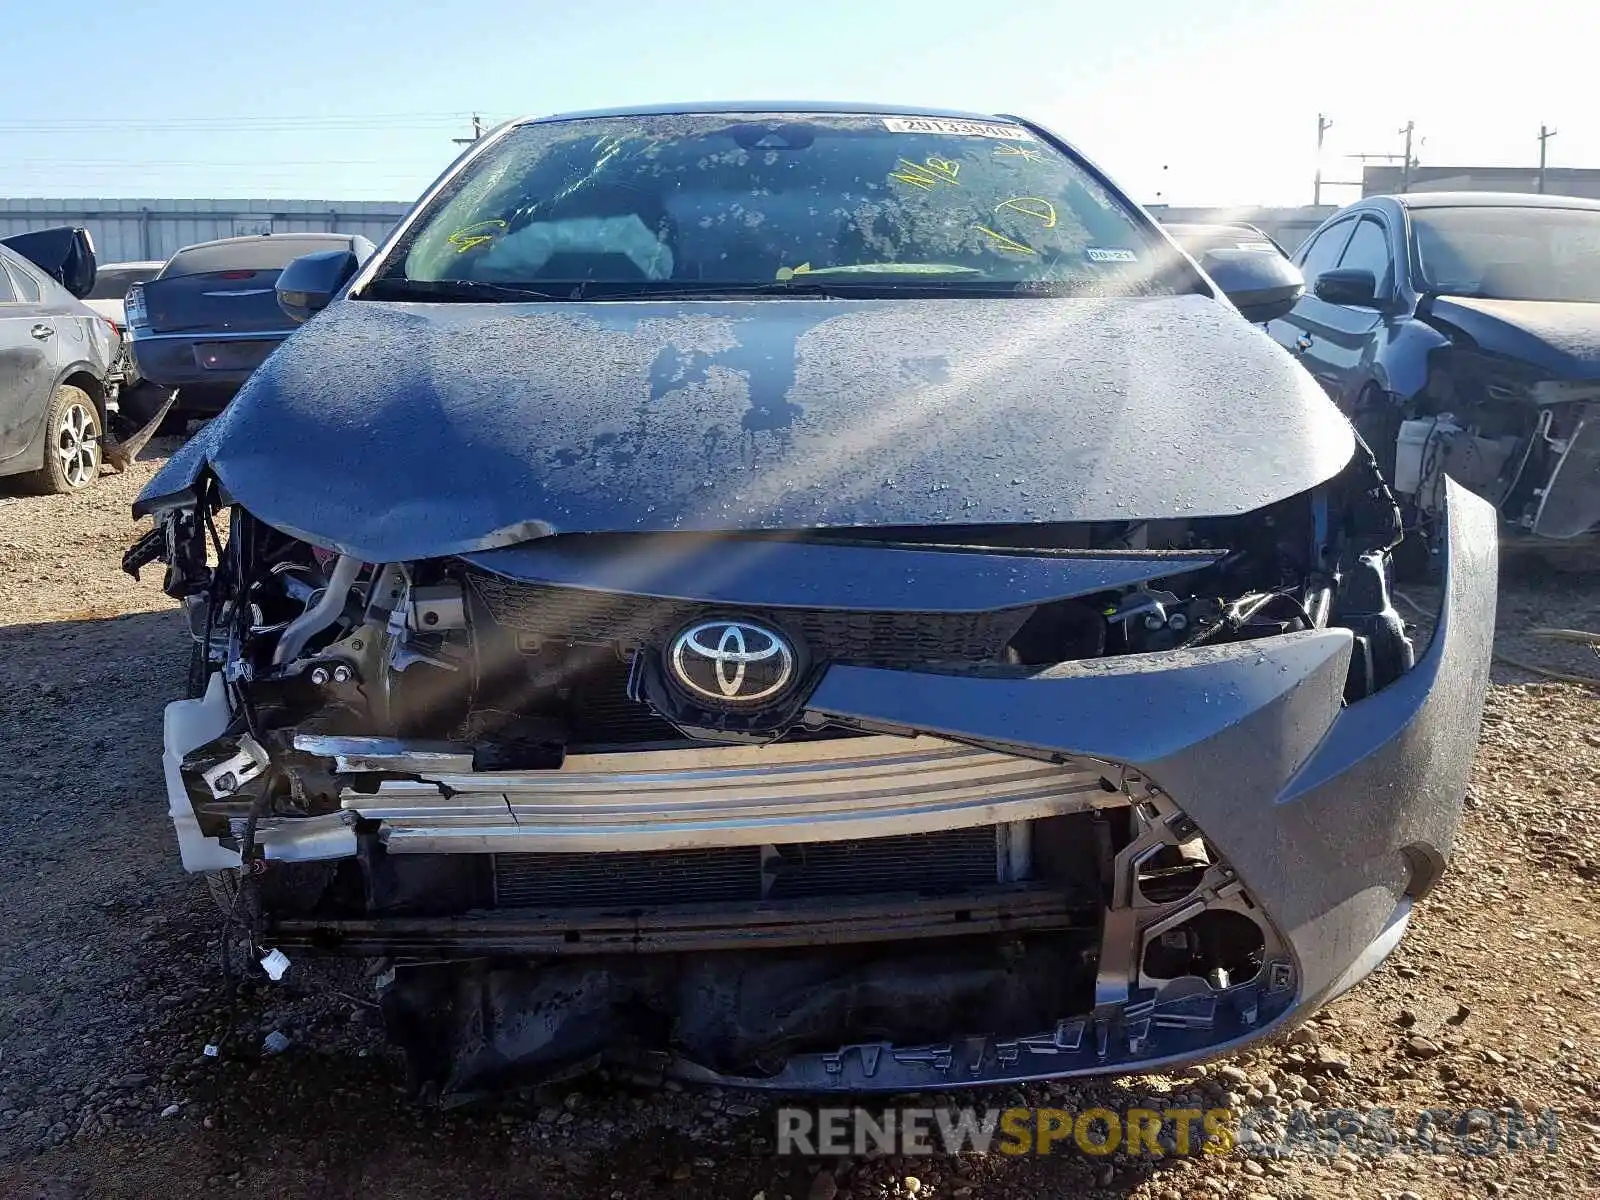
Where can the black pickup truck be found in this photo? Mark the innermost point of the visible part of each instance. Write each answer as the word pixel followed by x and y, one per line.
pixel 211 317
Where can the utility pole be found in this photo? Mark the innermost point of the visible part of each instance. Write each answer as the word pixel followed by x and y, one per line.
pixel 477 132
pixel 1545 134
pixel 1323 125
pixel 1407 162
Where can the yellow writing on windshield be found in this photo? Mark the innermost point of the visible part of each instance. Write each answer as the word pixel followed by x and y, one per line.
pixel 477 234
pixel 1026 153
pixel 932 170
pixel 1001 242
pixel 1034 206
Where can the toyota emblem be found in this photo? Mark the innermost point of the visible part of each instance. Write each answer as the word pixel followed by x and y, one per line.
pixel 732 662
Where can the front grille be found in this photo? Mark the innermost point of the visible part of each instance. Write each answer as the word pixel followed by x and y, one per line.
pixel 599 712
pixel 925 863
pixel 897 639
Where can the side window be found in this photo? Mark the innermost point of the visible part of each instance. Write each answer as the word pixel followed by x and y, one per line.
pixel 1323 250
pixel 27 287
pixel 1369 251
pixel 8 294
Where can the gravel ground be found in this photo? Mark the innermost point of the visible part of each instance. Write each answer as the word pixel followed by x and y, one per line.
pixel 109 980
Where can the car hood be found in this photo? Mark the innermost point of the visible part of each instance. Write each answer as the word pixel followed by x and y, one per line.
pixel 395 430
pixel 1558 337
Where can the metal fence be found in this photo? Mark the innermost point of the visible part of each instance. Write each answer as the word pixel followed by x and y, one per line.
pixel 139 230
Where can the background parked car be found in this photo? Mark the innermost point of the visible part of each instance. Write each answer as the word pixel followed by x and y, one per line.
pixel 211 316
pixel 55 357
pixel 1199 239
pixel 1461 332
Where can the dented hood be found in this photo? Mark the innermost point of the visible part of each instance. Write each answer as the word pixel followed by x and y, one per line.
pixel 400 430
pixel 1559 337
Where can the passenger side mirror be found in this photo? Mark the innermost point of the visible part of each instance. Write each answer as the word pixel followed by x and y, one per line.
pixel 309 283
pixel 1349 286
pixel 65 253
pixel 1262 284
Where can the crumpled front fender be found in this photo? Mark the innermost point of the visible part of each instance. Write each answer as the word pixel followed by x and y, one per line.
pixel 1335 816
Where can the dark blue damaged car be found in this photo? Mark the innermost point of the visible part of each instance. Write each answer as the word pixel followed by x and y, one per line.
pixel 811 597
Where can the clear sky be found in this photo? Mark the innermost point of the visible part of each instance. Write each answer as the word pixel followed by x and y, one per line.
pixel 1198 102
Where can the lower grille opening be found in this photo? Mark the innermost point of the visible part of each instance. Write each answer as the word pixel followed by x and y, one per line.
pixel 924 864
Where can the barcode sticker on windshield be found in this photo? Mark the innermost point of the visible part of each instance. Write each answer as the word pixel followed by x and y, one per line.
pixel 960 128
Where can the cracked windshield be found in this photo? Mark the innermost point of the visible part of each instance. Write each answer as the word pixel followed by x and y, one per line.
pixel 747 199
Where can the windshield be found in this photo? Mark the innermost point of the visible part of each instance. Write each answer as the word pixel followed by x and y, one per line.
pixel 1510 253
pixel 658 203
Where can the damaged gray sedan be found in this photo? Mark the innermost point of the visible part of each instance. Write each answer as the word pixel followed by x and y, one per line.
pixel 814 597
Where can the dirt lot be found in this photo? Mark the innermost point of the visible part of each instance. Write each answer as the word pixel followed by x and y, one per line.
pixel 109 983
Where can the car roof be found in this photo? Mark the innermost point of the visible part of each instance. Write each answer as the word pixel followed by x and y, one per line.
pixel 1487 200
pixel 307 237
pixel 769 106
pixel 1202 227
pixel 144 264
pixel 261 252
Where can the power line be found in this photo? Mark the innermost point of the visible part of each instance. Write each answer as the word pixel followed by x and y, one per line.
pixel 326 120
pixel 137 163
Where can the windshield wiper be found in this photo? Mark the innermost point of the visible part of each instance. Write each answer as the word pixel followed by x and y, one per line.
pixel 469 291
pixel 833 289
pixel 717 291
pixel 476 291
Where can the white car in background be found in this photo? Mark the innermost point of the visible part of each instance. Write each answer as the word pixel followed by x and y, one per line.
pixel 111 285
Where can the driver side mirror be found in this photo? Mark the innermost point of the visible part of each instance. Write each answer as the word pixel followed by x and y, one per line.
pixel 66 254
pixel 1262 284
pixel 309 283
pixel 1348 286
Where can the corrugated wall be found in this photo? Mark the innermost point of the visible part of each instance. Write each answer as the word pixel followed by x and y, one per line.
pixel 131 230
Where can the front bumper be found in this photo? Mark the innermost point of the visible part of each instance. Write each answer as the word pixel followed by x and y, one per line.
pixel 1327 820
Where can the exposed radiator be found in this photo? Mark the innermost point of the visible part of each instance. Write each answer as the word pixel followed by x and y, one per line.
pixel 925 863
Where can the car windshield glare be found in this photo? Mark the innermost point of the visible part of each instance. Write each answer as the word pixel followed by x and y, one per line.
pixel 659 203
pixel 1510 253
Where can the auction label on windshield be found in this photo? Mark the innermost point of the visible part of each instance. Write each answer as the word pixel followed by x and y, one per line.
pixel 988 129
